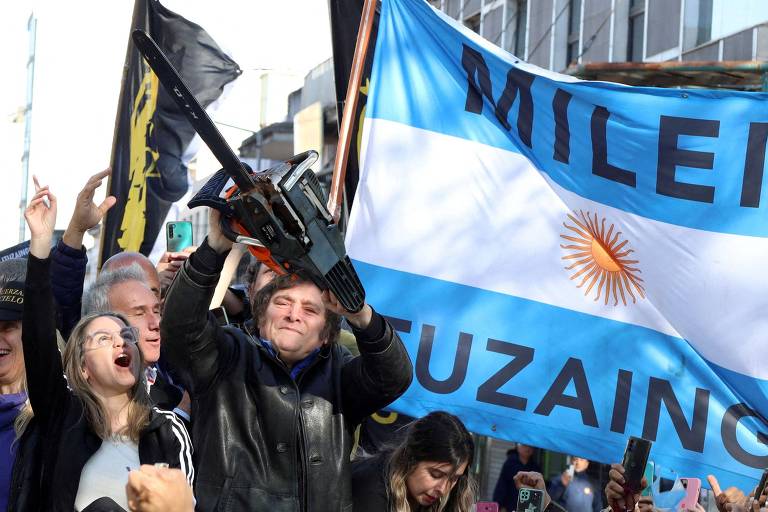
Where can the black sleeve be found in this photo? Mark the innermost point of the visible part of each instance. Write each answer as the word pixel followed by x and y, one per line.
pixel 46 384
pixel 369 492
pixel 379 375
pixel 193 343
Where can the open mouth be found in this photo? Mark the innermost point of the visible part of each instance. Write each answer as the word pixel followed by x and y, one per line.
pixel 123 360
pixel 4 352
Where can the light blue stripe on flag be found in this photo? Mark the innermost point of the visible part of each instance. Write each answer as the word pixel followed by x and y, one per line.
pixel 446 199
pixel 419 80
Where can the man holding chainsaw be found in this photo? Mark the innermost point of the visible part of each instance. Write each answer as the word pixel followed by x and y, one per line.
pixel 275 414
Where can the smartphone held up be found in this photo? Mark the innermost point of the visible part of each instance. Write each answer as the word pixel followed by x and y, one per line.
pixel 530 500
pixel 635 461
pixel 178 235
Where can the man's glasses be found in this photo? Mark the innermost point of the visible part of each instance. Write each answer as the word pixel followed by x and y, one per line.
pixel 104 338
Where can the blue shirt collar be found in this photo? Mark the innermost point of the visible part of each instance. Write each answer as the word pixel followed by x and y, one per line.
pixel 298 367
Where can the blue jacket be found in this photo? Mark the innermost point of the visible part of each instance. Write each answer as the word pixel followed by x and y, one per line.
pixel 67 277
pixel 581 495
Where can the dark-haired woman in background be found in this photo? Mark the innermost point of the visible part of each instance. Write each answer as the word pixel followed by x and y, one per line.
pixel 428 471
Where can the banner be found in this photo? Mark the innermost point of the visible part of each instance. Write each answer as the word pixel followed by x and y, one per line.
pixel 571 262
pixel 20 250
pixel 152 137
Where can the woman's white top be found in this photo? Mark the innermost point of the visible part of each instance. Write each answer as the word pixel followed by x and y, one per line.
pixel 106 472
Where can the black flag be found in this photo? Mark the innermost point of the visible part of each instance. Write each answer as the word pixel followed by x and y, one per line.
pixel 345 22
pixel 149 172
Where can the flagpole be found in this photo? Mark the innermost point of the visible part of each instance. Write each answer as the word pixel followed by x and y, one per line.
pixel 350 107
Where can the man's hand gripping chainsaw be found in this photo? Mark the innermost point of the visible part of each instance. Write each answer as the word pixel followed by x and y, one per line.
pixel 279 213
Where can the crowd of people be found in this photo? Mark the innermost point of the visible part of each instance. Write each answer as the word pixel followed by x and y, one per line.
pixel 131 395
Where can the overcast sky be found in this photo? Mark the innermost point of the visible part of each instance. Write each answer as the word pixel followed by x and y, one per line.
pixel 80 53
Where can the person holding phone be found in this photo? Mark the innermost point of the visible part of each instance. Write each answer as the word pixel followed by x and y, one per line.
pixel 275 412
pixel 92 409
pixel 618 499
pixel 428 470
pixel 521 458
pixel 574 488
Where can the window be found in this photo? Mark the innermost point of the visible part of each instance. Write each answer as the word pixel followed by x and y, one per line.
pixel 635 36
pixel 697 23
pixel 574 32
pixel 520 24
pixel 473 23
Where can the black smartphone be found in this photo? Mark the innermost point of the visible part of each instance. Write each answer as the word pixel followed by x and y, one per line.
pixel 760 489
pixel 530 500
pixel 178 235
pixel 635 460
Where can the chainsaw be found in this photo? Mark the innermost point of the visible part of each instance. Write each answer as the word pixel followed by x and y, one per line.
pixel 280 213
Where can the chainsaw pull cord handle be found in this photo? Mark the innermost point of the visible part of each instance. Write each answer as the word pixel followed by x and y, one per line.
pixel 259 251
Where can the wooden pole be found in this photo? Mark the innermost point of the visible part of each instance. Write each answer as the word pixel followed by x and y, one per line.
pixel 350 107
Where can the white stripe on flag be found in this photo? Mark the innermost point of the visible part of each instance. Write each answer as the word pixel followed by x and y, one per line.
pixel 485 217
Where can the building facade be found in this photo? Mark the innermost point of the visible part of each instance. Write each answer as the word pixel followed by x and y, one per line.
pixel 556 34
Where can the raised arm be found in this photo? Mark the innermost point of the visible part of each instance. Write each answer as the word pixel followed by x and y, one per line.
pixel 383 370
pixel 45 377
pixel 68 260
pixel 192 339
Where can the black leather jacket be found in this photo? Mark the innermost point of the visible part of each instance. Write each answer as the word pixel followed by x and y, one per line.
pixel 262 440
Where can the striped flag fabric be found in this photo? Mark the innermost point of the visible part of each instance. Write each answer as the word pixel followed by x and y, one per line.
pixel 569 262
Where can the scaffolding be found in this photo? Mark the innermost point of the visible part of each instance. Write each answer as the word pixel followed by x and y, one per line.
pixel 738 75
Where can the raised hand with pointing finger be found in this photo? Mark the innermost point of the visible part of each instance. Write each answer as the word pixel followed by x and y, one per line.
pixel 87 213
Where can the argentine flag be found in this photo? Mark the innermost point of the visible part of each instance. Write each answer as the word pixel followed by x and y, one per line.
pixel 569 262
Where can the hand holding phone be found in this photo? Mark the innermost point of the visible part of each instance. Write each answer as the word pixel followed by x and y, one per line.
pixel 530 500
pixel 626 479
pixel 635 460
pixel 692 488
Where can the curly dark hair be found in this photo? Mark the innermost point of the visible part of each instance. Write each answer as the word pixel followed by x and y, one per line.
pixel 330 332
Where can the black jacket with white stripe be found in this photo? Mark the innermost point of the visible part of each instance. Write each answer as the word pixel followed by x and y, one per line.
pixel 59 441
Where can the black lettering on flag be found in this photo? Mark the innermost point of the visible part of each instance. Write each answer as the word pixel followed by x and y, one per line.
pixel 731 419
pixel 692 438
pixel 460 362
pixel 562 152
pixel 488 391
pixel 399 324
pixel 600 165
pixel 573 370
pixel 754 165
pixel 479 84
pixel 671 156
pixel 621 401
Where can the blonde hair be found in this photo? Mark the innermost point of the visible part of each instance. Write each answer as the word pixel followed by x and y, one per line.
pixel 25 414
pixel 139 406
pixel 437 437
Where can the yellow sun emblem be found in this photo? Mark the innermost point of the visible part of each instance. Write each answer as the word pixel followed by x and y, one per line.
pixel 601 256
